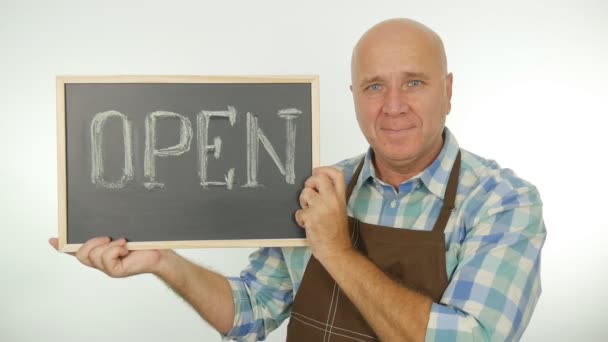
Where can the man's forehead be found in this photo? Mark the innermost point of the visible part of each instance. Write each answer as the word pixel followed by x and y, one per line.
pixel 405 63
pixel 398 48
pixel 400 43
pixel 403 75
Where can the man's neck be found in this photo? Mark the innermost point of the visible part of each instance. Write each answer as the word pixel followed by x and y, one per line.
pixel 395 173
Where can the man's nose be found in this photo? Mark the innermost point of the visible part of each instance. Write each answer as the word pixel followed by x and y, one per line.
pixel 395 102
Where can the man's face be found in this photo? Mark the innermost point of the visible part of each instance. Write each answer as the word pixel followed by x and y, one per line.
pixel 402 96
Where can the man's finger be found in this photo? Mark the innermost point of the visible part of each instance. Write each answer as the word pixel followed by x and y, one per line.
pixel 299 216
pixel 95 256
pixel 307 197
pixel 321 183
pixel 55 243
pixel 336 176
pixel 110 258
pixel 83 252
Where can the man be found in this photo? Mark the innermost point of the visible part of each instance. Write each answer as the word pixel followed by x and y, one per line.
pixel 415 240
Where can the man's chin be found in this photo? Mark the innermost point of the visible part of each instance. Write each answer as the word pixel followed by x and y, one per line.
pixel 397 157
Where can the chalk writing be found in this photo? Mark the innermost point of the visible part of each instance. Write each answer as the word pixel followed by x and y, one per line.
pixel 97 169
pixel 151 152
pixel 255 136
pixel 204 148
pixel 290 114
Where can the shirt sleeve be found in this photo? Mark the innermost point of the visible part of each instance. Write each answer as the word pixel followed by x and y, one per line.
pixel 496 284
pixel 263 295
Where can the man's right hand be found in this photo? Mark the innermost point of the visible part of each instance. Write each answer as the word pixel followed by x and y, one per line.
pixel 114 259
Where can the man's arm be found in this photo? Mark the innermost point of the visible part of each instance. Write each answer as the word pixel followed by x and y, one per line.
pixel 393 312
pixel 207 292
pixel 490 296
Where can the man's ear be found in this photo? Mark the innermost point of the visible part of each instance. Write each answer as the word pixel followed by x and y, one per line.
pixel 448 89
pixel 351 88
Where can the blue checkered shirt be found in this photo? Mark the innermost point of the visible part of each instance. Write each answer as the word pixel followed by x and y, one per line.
pixel 493 241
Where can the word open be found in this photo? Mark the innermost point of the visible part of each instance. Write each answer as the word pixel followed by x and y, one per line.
pixel 254 137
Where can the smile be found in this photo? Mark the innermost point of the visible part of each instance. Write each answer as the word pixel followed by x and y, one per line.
pixel 396 130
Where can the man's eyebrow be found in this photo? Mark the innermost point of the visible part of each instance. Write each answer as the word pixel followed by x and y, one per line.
pixel 420 75
pixel 371 80
pixel 406 74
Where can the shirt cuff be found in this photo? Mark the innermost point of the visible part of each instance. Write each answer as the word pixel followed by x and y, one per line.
pixel 243 312
pixel 447 323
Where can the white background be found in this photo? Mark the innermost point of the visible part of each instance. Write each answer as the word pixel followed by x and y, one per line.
pixel 530 79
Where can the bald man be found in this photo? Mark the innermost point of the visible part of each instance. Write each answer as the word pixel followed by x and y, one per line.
pixel 415 239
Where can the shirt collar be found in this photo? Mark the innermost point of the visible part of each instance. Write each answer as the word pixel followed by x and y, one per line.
pixel 434 177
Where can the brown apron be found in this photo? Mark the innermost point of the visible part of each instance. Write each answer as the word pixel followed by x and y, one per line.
pixel 414 258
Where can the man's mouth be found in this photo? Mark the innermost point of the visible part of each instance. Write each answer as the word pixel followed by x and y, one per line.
pixel 390 130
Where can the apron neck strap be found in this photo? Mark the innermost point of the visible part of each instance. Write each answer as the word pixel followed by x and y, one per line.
pixel 353 180
pixel 449 198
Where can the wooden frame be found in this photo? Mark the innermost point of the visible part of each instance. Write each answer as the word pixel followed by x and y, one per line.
pixel 61 82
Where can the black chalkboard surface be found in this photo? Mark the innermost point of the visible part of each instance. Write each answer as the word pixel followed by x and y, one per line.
pixel 184 161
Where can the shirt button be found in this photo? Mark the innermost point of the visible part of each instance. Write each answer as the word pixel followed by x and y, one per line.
pixel 393 204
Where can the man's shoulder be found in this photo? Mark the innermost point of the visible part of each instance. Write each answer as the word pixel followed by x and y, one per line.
pixel 485 181
pixel 483 169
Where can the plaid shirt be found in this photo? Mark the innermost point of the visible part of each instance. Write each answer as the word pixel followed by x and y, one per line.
pixel 492 240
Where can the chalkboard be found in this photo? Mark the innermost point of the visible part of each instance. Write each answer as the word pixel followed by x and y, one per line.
pixel 184 161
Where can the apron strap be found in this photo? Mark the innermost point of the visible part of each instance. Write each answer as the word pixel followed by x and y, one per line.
pixel 449 198
pixel 353 180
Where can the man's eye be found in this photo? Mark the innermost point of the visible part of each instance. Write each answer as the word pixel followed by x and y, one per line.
pixel 415 83
pixel 375 87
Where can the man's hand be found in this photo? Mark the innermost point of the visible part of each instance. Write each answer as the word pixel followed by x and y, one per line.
pixel 114 259
pixel 323 213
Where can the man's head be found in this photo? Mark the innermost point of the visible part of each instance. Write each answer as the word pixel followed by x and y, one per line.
pixel 402 93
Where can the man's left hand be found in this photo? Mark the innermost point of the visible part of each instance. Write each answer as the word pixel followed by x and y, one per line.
pixel 323 213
